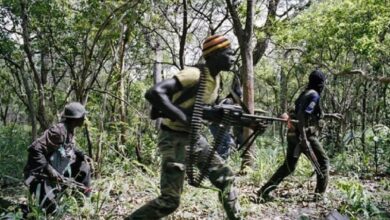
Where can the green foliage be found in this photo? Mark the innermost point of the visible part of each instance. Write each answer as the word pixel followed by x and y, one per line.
pixel 375 159
pixel 357 199
pixel 14 141
pixel 81 42
pixel 270 155
pixel 334 31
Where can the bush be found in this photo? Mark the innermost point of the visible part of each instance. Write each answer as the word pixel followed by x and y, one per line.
pixel 357 200
pixel 14 141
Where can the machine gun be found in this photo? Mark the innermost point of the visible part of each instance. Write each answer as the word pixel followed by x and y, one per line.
pixel 214 113
pixel 238 118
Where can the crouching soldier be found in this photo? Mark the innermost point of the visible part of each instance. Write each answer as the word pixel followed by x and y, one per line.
pixel 54 162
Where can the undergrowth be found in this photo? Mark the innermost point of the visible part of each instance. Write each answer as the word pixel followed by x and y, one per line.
pixel 125 185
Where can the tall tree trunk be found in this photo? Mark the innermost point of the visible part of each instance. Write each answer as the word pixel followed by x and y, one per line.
pixel 248 89
pixel 157 72
pixel 30 106
pixel 4 111
pixel 124 39
pixel 183 36
pixel 384 95
pixel 244 36
pixel 283 100
pixel 37 79
pixel 364 117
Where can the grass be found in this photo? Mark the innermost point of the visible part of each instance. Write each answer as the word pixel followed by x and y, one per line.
pixel 125 185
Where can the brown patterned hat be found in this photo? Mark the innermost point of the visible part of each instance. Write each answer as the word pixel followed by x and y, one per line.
pixel 214 43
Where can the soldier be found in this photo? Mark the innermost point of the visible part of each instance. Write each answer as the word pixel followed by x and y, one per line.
pixel 172 98
pixel 53 159
pixel 308 112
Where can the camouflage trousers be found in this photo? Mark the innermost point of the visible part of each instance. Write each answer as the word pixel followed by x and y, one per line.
pixel 172 146
pixel 291 161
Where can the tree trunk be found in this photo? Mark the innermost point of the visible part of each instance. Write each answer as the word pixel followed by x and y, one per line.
pixel 124 39
pixel 364 117
pixel 283 100
pixel 30 106
pixel 183 36
pixel 244 36
pixel 37 79
pixel 157 72
pixel 248 89
pixel 4 111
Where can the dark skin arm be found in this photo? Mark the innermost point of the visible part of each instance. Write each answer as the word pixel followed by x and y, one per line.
pixel 159 95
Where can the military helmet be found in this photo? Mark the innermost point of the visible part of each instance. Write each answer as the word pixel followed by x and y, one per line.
pixel 74 110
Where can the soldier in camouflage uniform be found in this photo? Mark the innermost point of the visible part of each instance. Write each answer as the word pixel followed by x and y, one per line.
pixel 53 156
pixel 308 112
pixel 172 98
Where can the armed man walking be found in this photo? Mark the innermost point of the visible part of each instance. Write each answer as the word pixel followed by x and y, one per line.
pixel 175 99
pixel 54 161
pixel 302 138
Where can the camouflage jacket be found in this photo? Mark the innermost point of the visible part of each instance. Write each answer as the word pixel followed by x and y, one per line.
pixel 42 149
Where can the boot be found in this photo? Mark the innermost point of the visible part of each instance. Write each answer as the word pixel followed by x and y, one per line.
pixel 230 204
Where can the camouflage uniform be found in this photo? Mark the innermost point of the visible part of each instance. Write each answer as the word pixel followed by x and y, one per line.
pixel 55 148
pixel 308 101
pixel 174 138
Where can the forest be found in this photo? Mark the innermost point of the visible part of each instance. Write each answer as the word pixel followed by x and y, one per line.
pixel 107 54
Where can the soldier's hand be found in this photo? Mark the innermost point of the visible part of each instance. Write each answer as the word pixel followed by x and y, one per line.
pixel 54 174
pixel 258 126
pixel 305 144
pixel 284 116
pixel 262 126
pixel 89 161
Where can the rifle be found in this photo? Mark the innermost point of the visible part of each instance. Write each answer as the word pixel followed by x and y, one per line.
pixel 66 181
pixel 308 151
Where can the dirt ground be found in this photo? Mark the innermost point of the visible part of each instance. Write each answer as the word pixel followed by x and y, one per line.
pixel 293 200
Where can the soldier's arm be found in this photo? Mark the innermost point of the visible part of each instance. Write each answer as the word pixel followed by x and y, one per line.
pixel 304 113
pixel 79 153
pixel 159 96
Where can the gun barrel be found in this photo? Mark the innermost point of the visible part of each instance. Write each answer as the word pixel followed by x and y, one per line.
pixel 267 118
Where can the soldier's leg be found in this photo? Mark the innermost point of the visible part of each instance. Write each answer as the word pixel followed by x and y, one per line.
pixel 81 172
pixel 46 195
pixel 222 177
pixel 227 141
pixel 172 178
pixel 323 161
pixel 288 166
